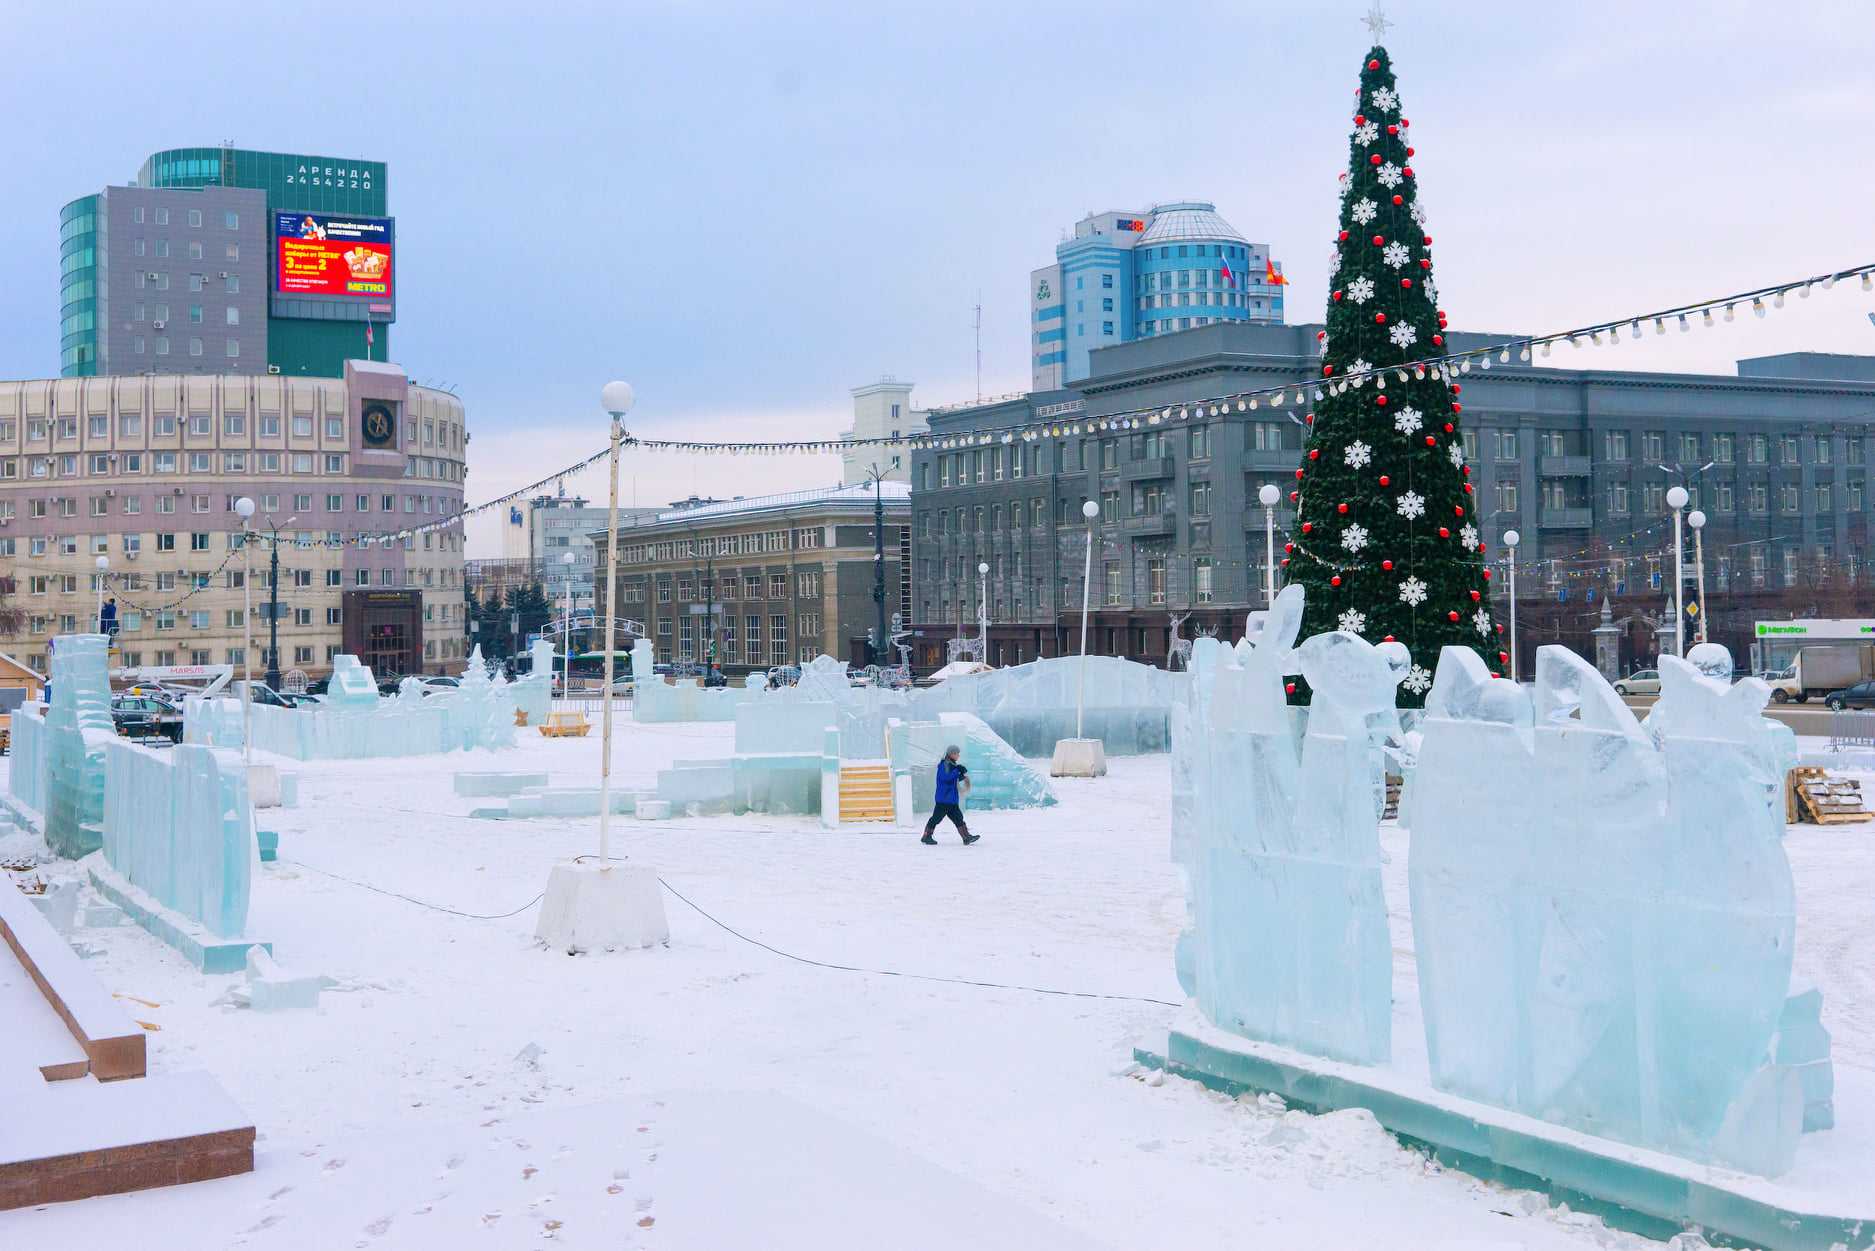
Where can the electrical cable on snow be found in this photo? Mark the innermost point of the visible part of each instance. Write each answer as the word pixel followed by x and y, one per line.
pixel 753 942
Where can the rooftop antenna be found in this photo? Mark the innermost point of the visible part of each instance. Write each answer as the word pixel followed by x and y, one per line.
pixel 979 347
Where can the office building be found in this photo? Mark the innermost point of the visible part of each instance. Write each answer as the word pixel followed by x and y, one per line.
pixel 229 261
pixel 881 410
pixel 1127 275
pixel 541 532
pixel 771 580
pixel 145 471
pixel 1578 460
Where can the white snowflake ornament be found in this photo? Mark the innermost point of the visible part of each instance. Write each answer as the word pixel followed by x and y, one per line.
pixel 1408 421
pixel 1361 290
pixel 1419 214
pixel 1411 505
pixel 1366 133
pixel 1358 366
pixel 1390 176
pixel 1412 592
pixel 1418 680
pixel 1364 211
pixel 1482 620
pixel 1396 254
pixel 1353 621
pixel 1354 538
pixel 1456 454
pixel 1358 455
pixel 1468 535
pixel 1384 99
pixel 1403 335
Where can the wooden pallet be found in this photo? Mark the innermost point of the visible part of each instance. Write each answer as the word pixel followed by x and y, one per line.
pixel 1811 795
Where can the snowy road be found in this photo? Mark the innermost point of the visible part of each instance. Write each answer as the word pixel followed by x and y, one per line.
pixel 400 1116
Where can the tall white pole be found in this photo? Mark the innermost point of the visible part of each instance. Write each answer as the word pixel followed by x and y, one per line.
pixel 611 627
pixel 1268 497
pixel 1676 499
pixel 244 507
pixel 1089 510
pixel 1697 520
pixel 1511 538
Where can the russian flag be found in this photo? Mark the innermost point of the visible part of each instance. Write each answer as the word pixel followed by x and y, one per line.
pixel 1230 279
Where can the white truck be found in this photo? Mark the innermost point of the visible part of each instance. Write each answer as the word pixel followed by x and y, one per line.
pixel 1823 668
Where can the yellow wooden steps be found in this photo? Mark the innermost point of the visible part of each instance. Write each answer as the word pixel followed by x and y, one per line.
pixel 865 793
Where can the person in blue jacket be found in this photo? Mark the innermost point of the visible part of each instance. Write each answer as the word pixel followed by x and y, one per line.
pixel 950 773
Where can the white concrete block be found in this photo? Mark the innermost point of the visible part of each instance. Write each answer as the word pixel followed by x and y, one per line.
pixel 653 810
pixel 594 908
pixel 1079 758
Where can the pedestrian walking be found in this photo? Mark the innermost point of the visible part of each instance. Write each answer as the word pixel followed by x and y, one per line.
pixel 953 783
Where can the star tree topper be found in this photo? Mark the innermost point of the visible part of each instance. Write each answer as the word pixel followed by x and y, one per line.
pixel 1377 22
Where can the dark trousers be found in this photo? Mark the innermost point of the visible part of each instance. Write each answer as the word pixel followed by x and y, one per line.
pixel 942 811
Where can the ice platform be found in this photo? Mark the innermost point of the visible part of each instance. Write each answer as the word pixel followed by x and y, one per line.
pixel 208 951
pixel 1822 1202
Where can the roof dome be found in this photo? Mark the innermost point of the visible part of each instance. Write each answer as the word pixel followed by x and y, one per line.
pixel 1188 220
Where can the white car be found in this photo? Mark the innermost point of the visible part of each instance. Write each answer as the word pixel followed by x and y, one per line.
pixel 1784 687
pixel 1640 682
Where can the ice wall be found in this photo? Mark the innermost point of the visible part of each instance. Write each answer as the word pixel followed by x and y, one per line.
pixel 999 777
pixel 1031 706
pixel 1289 936
pixel 532 694
pixel 1604 914
pixel 686 699
pixel 178 824
pixel 26 779
pixel 78 725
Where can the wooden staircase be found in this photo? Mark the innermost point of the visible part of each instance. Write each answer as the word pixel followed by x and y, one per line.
pixel 865 791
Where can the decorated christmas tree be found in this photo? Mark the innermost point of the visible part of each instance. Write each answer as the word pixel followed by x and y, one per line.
pixel 1387 542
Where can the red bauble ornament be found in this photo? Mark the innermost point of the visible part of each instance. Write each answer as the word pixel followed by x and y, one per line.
pixel 1431 442
pixel 1503 658
pixel 1425 263
pixel 1307 526
pixel 1409 152
pixel 1335 581
pixel 1475 597
pixel 1393 128
pixel 1298 475
pixel 1341 508
pixel 1407 169
pixel 1380 319
pixel 1374 159
pixel 1427 240
pixel 1398 200
pixel 1500 629
pixel 1452 616
pixel 1467 488
pixel 1438 340
pixel 1406 284
pixel 1294 496
pixel 1337 297
pixel 1444 533
pixel 1381 400
pixel 1458 510
pixel 1327 370
pixel 1289 687
pixel 1380 240
pixel 1315 453
pixel 1308 419
pixel 1466 470
pixel 1448 427
pixel 1487 575
pixel 1457 390
pixel 1441 313
pixel 1372 65
pixel 1387 565
pixel 1404 123
pixel 1388 639
pixel 1360 119
pixel 1288 547
pixel 1481 548
pixel 1384 479
pixel 1342 237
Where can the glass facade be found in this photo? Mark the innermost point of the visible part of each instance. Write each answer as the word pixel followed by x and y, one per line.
pixel 78 288
pixel 318 184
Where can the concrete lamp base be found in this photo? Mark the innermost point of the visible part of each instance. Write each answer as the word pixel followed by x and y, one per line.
pixel 1079 758
pixel 589 908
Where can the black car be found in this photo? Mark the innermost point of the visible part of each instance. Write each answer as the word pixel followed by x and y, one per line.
pixel 146 716
pixel 1861 695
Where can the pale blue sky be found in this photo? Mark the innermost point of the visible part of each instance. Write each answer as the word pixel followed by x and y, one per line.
pixel 748 208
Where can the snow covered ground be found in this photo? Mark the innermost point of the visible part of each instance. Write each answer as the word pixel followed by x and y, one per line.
pixel 466 1089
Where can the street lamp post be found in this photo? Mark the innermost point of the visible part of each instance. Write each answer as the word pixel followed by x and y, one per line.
pixel 983 611
pixel 1511 539
pixel 1268 497
pixel 1697 520
pixel 617 399
pixel 103 564
pixel 566 635
pixel 244 507
pixel 1081 757
pixel 1676 500
pixel 1089 510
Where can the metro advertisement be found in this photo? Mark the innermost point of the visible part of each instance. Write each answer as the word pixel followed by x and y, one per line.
pixel 332 254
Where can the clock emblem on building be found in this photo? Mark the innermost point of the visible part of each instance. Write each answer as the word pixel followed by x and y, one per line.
pixel 380 425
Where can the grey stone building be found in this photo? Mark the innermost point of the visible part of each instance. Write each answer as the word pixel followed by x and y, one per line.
pixel 1577 460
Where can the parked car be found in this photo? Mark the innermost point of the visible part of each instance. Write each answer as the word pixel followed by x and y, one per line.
pixel 300 700
pixel 319 687
pixel 1640 682
pixel 146 716
pixel 1784 686
pixel 439 682
pixel 1861 695
pixel 260 693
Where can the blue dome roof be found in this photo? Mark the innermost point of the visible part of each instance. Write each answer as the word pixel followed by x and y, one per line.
pixel 1186 221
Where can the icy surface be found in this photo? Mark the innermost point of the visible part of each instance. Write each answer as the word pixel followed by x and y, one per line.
pixel 685 699
pixel 532 694
pixel 78 725
pixel 177 824
pixel 1289 939
pixel 31 765
pixel 1605 916
pixel 999 778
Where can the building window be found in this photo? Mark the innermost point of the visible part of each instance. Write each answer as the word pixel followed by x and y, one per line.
pixel 1201 579
pixel 195 217
pixel 1506 497
pixel 231 220
pixel 1723 448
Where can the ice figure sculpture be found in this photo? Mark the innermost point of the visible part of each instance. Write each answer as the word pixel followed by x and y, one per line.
pixel 78 725
pixel 178 825
pixel 1604 916
pixel 351 685
pixel 999 778
pixel 532 694
pixel 1289 943
pixel 26 779
pixel 685 699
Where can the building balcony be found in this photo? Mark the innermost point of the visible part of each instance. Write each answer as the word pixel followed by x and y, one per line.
pixel 1562 466
pixel 1582 518
pixel 1158 524
pixel 1151 467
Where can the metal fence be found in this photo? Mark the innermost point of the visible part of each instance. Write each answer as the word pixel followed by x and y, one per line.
pixel 588 702
pixel 1851 729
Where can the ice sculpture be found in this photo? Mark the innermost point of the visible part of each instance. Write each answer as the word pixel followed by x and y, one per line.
pixel 1604 916
pixel 999 778
pixel 1032 706
pixel 1289 941
pixel 178 826
pixel 685 699
pixel 351 684
pixel 532 694
pixel 26 779
pixel 78 725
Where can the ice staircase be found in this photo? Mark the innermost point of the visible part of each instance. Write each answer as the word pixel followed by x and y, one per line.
pixel 865 791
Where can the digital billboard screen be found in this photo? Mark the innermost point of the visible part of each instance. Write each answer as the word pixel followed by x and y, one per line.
pixel 332 254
